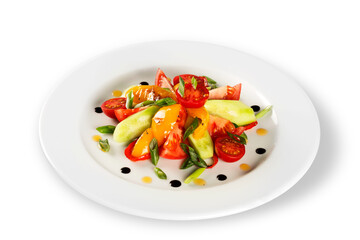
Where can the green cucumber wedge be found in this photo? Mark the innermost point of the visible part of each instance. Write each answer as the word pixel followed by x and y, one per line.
pixel 133 126
pixel 204 146
pixel 233 110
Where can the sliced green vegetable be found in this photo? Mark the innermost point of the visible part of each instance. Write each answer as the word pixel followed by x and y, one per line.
pixel 104 145
pixel 194 157
pixel 160 173
pixel 211 82
pixel 243 135
pixel 134 125
pixel 194 175
pixel 154 151
pixel 239 138
pixel 144 103
pixel 106 129
pixel 194 82
pixel 191 128
pixel 181 86
pixel 232 110
pixel 263 112
pixel 129 100
pixel 203 146
pixel 165 102
pixel 186 164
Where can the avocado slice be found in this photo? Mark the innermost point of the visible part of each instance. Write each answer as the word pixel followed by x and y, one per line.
pixel 133 126
pixel 232 110
pixel 204 146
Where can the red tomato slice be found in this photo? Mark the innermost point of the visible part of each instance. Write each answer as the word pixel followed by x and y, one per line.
pixel 228 149
pixel 193 98
pixel 171 148
pixel 110 105
pixel 162 81
pixel 215 159
pixel 129 150
pixel 241 129
pixel 226 92
pixel 219 126
pixel 236 95
pixel 123 113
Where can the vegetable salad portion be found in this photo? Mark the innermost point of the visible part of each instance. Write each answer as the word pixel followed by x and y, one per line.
pixel 188 118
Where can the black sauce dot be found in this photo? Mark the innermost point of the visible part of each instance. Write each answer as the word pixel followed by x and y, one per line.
pixel 175 183
pixel 260 150
pixel 125 170
pixel 256 108
pixel 98 110
pixel 221 177
pixel 144 83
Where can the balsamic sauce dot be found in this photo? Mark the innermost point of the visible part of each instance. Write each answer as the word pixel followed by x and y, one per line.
pixel 221 177
pixel 260 150
pixel 125 170
pixel 144 83
pixel 256 108
pixel 98 110
pixel 175 183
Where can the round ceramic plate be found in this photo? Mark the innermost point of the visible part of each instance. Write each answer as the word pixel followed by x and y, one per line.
pixel 68 122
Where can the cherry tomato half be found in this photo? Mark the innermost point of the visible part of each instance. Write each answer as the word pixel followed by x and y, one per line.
pixel 110 105
pixel 228 149
pixel 187 79
pixel 193 98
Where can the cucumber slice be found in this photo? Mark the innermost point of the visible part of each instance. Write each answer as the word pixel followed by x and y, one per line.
pixel 232 110
pixel 133 126
pixel 204 146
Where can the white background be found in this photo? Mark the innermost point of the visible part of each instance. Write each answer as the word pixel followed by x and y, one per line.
pixel 316 42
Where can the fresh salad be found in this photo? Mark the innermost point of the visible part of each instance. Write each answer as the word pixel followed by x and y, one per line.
pixel 188 118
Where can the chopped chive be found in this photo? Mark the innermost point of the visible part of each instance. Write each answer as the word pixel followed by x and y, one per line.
pixel 165 102
pixel 238 138
pixel 160 173
pixel 144 103
pixel 194 175
pixel 186 164
pixel 194 82
pixel 154 151
pixel 106 129
pixel 104 145
pixel 181 88
pixel 191 128
pixel 129 100
pixel 263 112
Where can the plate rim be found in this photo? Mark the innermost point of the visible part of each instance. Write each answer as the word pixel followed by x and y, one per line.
pixel 212 214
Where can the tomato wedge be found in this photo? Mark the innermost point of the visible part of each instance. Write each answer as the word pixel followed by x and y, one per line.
pixel 171 148
pixel 164 121
pixel 219 126
pixel 228 149
pixel 110 105
pixel 193 98
pixel 123 113
pixel 162 81
pixel 226 92
pixel 129 150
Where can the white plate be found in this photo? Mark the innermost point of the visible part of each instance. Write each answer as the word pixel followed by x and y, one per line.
pixel 68 122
